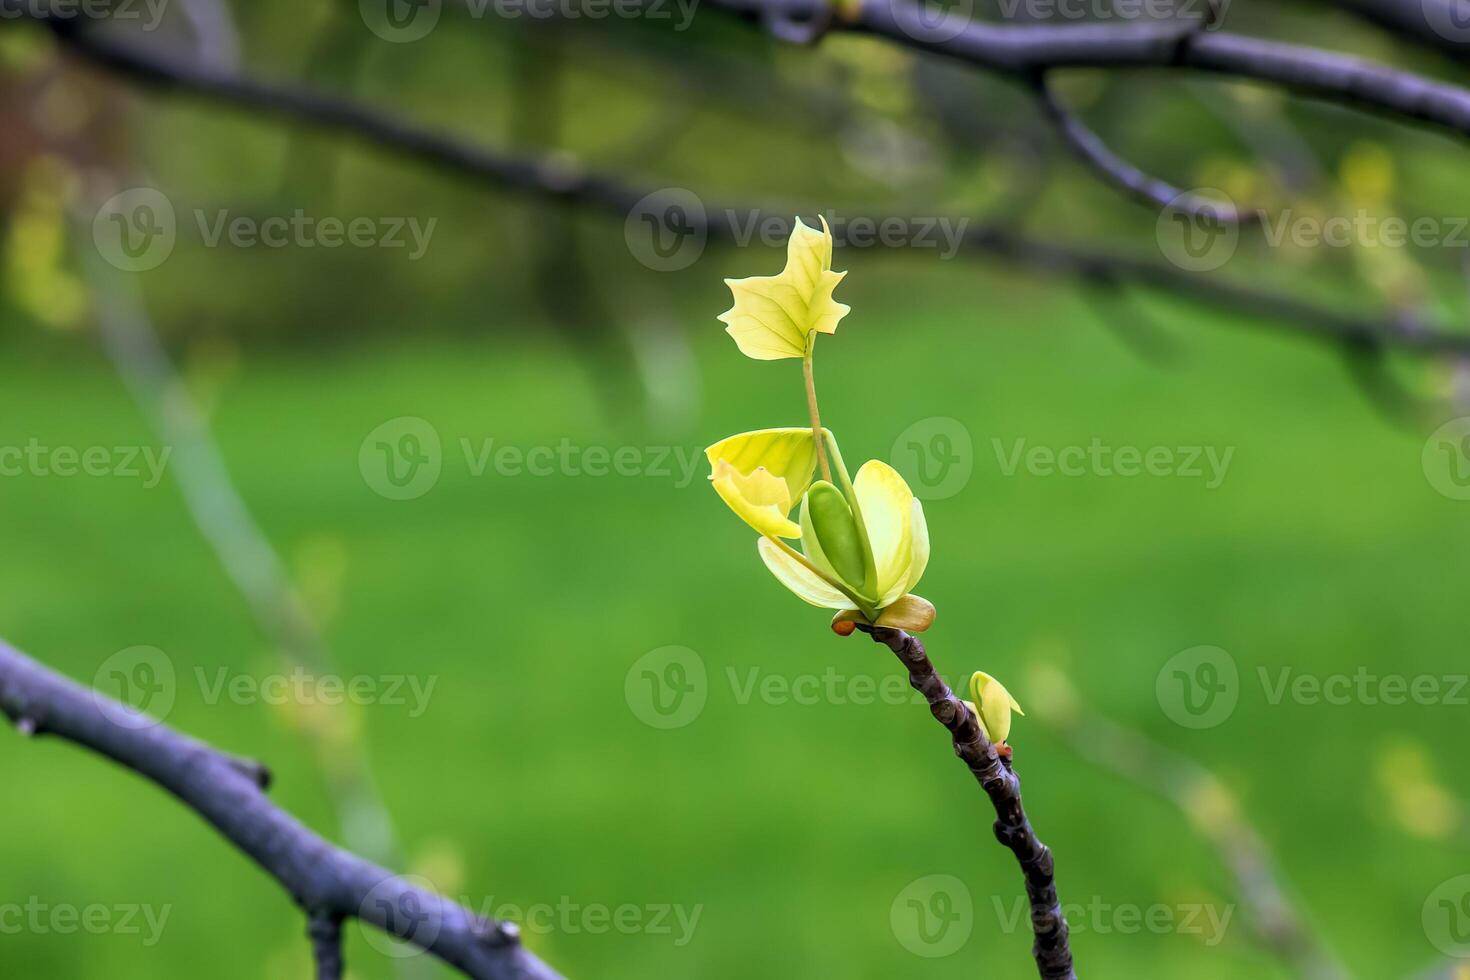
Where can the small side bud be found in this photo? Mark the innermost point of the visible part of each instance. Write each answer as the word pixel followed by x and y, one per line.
pixel 848 620
pixel 995 705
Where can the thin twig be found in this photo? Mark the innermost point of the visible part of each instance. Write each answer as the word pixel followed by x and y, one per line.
pixel 322 879
pixel 325 932
pixel 1119 172
pixel 1051 949
pixel 245 553
pixel 1214 813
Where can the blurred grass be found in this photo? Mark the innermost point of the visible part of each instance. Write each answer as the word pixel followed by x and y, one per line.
pixel 790 827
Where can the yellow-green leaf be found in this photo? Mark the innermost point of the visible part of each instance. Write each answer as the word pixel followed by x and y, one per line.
pixel 759 499
pixel 888 514
pixel 996 705
pixel 777 316
pixel 807 584
pixel 789 453
pixel 920 559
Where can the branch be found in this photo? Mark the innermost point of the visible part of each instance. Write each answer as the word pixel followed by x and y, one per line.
pixel 558 180
pixel 1051 949
pixel 1115 170
pixel 328 883
pixel 1025 51
pixel 1213 811
pixel 245 553
pixel 325 932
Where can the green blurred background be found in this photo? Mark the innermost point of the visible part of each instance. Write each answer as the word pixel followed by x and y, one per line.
pixel 768 833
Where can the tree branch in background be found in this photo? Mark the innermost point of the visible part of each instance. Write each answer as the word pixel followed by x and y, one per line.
pixel 328 883
pixel 559 179
pixel 243 550
pixel 1090 148
pixel 1052 948
pixel 1022 52
pixel 1212 811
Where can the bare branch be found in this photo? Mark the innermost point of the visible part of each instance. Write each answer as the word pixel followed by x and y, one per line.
pixel 327 882
pixel 1115 170
pixel 1215 813
pixel 1051 949
pixel 1025 51
pixel 557 179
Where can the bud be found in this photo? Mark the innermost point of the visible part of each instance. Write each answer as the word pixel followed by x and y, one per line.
pixel 994 704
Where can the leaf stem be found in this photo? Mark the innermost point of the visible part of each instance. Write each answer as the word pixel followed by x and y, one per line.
pixel 860 604
pixel 811 406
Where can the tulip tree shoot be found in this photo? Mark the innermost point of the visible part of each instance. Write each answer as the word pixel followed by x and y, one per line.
pixel 864 546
